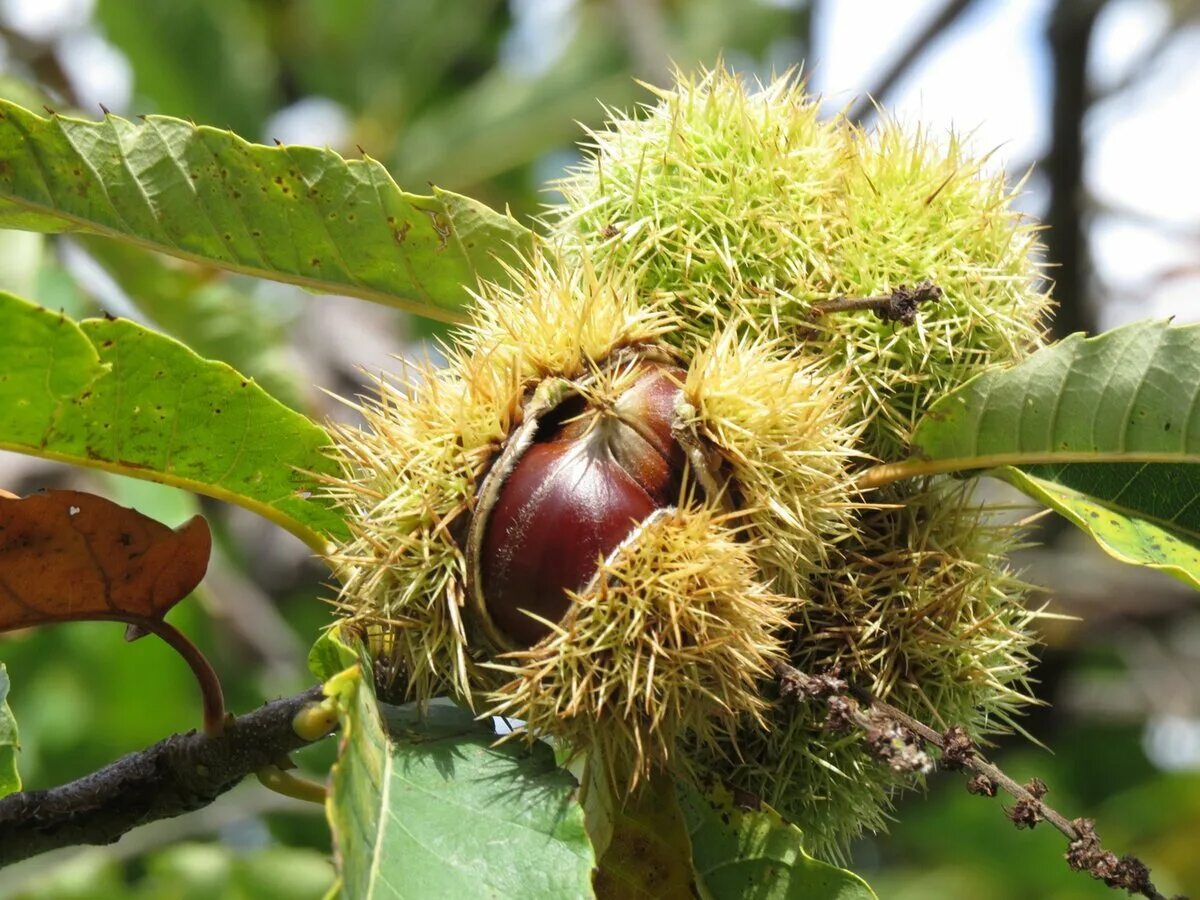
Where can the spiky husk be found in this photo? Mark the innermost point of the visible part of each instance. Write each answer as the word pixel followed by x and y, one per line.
pixel 712 224
pixel 410 475
pixel 923 610
pixel 670 642
pixel 782 427
pixel 673 637
pixel 731 200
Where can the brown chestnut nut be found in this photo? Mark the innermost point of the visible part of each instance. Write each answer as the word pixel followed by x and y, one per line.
pixel 575 481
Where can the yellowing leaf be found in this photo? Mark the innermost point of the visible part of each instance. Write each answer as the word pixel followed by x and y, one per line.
pixel 649 855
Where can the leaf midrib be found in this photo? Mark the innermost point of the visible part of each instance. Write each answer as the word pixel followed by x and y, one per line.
pixel 886 473
pixel 315 540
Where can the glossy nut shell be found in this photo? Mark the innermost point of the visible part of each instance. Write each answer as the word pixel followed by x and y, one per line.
pixel 572 484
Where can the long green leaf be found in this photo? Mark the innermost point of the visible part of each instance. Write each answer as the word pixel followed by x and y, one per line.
pixel 740 854
pixel 1132 537
pixel 214 314
pixel 1104 430
pixel 10 780
pixel 296 214
pixel 112 395
pixel 427 806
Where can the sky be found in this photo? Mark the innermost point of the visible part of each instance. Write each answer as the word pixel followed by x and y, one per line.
pixel 990 77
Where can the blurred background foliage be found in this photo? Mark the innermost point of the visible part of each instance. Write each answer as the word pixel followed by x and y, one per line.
pixel 487 97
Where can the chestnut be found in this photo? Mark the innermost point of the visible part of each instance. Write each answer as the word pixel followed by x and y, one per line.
pixel 574 481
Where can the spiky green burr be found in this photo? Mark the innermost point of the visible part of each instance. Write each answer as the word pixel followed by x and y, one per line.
pixel 669 638
pixel 699 243
pixel 921 608
pixel 729 199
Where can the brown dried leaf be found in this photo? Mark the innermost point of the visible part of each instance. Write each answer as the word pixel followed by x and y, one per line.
pixel 69 555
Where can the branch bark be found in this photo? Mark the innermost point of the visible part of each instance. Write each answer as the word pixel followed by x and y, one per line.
pixel 899 740
pixel 178 774
pixel 1069 34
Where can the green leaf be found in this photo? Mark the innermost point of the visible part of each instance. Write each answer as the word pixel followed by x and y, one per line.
pixel 215 315
pixel 741 854
pixel 296 214
pixel 330 654
pixel 10 780
pixel 430 807
pixel 648 854
pixel 1104 430
pixel 114 396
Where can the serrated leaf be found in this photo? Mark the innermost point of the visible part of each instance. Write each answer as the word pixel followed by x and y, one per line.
pixel 427 806
pixel 1104 430
pixel 216 315
pixel 301 215
pixel 740 854
pixel 113 395
pixel 10 779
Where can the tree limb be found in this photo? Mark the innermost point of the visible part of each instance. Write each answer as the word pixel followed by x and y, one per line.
pixel 899 740
pixel 178 774
pixel 1069 32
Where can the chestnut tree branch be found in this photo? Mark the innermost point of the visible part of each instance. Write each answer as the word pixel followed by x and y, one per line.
pixel 178 774
pixel 899 740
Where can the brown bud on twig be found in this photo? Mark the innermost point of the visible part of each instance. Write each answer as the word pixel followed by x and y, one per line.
pixel 1025 813
pixel 840 716
pixel 957 748
pixel 981 785
pixel 899 740
pixel 1037 788
pixel 1086 854
pixel 898 747
pixel 898 306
